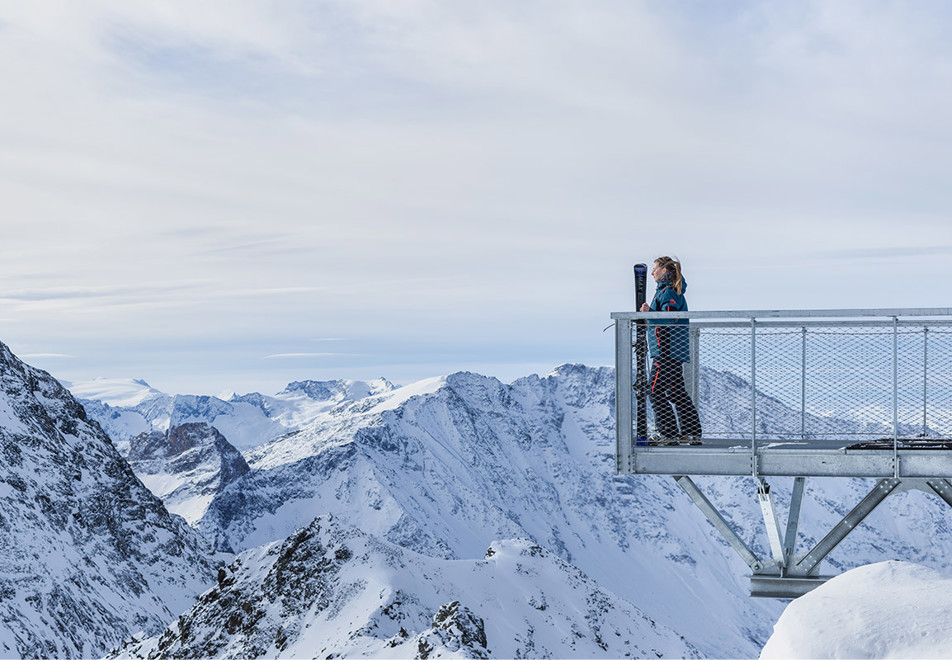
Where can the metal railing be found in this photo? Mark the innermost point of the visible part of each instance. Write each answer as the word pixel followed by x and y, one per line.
pixel 796 377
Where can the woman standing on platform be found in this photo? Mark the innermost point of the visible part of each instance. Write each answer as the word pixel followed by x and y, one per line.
pixel 669 348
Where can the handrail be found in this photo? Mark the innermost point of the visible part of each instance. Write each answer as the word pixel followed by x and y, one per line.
pixel 788 313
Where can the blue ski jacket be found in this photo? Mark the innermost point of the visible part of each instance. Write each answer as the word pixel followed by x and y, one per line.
pixel 669 338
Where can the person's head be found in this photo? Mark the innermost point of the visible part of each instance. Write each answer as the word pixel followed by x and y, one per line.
pixel 667 269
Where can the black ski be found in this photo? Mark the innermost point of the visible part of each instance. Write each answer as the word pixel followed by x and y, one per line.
pixel 641 351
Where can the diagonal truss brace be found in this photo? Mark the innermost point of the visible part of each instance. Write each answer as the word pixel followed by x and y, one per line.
pixel 810 562
pixel 942 488
pixel 720 524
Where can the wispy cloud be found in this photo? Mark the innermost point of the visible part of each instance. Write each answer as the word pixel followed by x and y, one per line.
pixel 888 252
pixel 271 246
pixel 90 293
pixel 307 355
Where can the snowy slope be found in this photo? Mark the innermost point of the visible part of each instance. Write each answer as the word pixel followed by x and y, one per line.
pixel 469 460
pixel 117 392
pixel 890 609
pixel 126 408
pixel 331 591
pixel 88 555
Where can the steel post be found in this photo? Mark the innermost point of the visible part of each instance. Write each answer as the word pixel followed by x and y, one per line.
pixel 925 379
pixel 895 397
pixel 803 386
pixel 770 521
pixel 623 395
pixel 793 519
pixel 753 397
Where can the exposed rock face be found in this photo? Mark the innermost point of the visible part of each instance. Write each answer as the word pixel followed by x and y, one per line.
pixel 337 390
pixel 185 466
pixel 332 591
pixel 456 629
pixel 88 555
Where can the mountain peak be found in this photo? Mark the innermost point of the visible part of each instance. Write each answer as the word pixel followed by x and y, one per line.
pixel 186 465
pixel 320 390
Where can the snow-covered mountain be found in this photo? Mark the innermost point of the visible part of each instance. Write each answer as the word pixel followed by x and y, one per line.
pixel 127 408
pixel 88 556
pixel 448 466
pixel 333 591
pixel 891 609
pixel 469 459
pixel 185 466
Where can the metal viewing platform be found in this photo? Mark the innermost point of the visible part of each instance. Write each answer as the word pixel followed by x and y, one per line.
pixel 795 393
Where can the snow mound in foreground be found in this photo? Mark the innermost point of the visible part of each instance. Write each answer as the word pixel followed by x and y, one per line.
pixel 892 609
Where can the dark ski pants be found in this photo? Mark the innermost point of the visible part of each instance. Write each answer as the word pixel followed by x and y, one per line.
pixel 667 394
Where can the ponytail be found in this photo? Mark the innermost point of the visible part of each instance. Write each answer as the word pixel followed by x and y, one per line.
pixel 672 270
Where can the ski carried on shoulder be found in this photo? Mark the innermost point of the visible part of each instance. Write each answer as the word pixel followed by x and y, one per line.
pixel 641 353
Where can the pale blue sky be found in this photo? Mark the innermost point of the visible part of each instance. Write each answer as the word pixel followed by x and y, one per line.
pixel 233 195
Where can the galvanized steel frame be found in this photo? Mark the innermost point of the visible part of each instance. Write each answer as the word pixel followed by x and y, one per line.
pixel 787 575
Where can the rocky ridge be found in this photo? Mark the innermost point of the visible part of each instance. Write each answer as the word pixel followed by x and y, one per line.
pixel 88 556
pixel 331 590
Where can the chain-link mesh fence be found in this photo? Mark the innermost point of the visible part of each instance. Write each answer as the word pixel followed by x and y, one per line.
pixel 811 382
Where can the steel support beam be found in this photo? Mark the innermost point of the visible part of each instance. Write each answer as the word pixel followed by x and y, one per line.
pixel 771 586
pixel 720 458
pixel 811 561
pixel 793 519
pixel 720 523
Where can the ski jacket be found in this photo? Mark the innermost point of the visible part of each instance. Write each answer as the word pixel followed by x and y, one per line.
pixel 669 339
